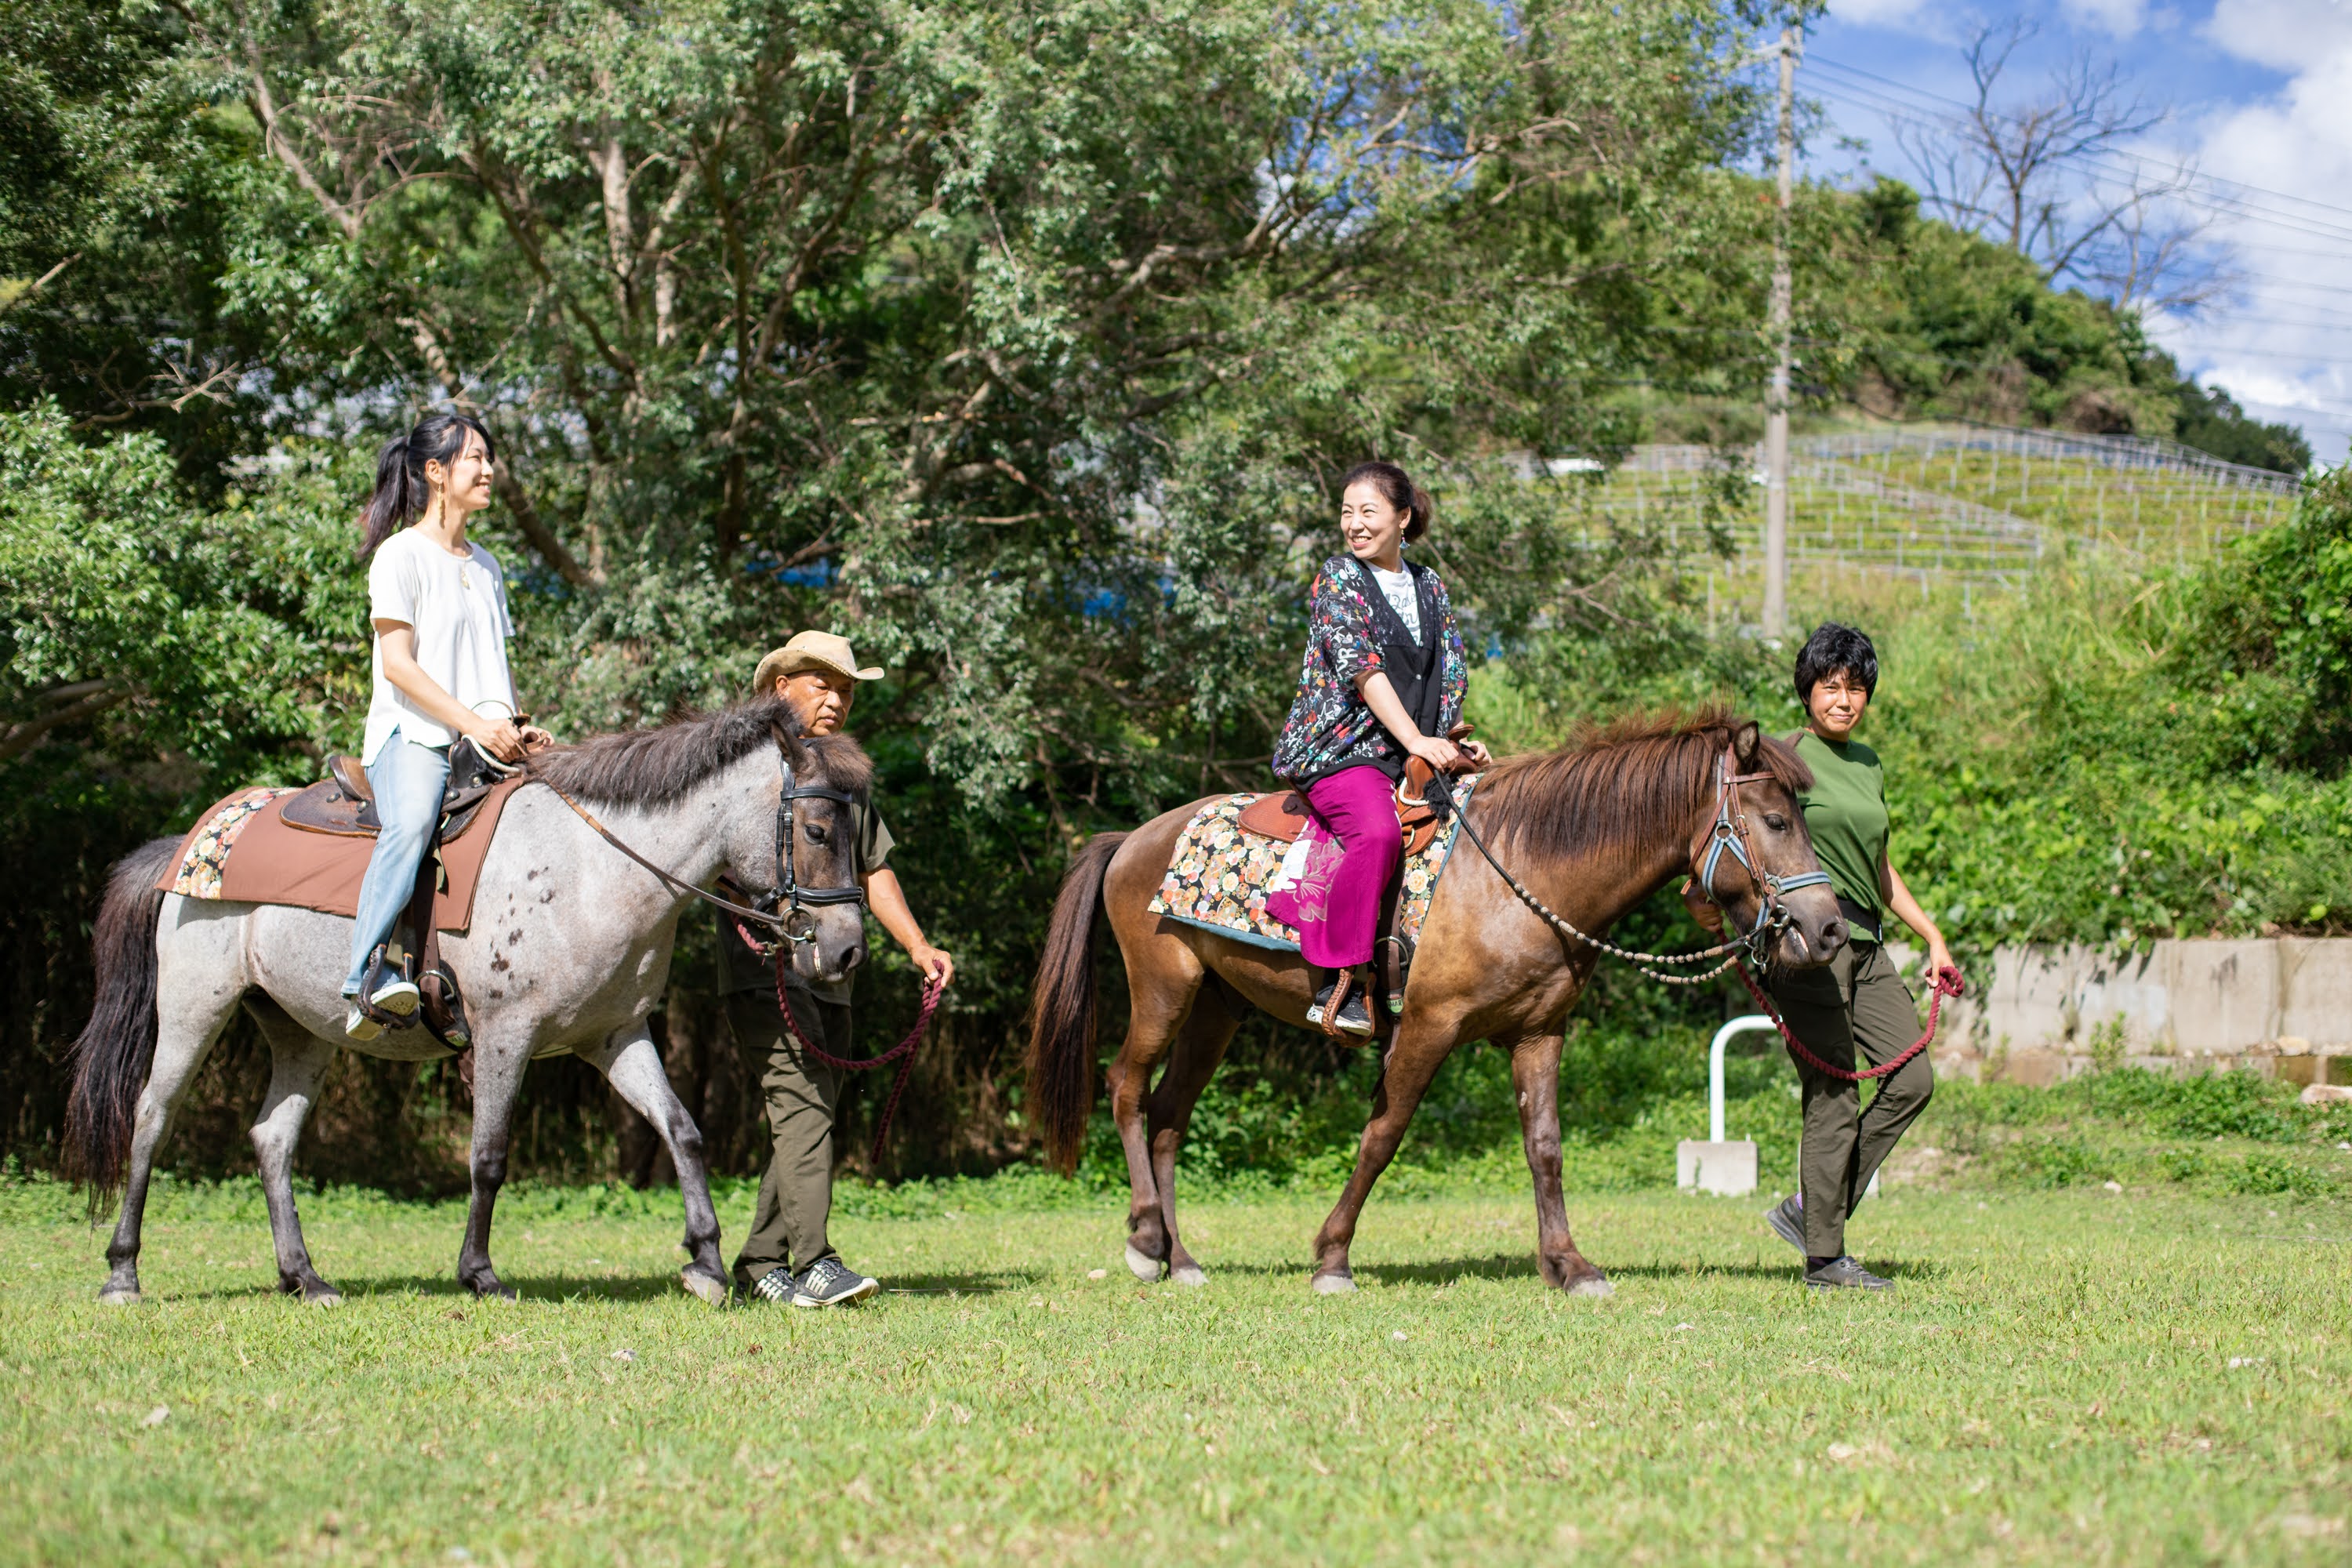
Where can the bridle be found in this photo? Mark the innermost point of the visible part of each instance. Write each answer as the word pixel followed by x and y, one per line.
pixel 1728 833
pixel 794 923
pixel 781 910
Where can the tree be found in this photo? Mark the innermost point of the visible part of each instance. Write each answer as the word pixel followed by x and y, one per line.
pixel 2054 176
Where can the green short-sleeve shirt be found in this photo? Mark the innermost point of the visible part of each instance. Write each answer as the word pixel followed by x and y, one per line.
pixel 740 969
pixel 1845 812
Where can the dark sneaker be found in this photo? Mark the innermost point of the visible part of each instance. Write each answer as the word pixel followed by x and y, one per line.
pixel 776 1285
pixel 1354 1017
pixel 1845 1274
pixel 830 1282
pixel 357 1025
pixel 1787 1219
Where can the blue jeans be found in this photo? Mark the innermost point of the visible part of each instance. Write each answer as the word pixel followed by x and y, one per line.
pixel 407 780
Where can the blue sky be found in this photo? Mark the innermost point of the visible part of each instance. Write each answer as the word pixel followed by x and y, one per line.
pixel 2260 99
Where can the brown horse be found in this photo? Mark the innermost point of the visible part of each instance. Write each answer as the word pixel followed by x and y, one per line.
pixel 1591 830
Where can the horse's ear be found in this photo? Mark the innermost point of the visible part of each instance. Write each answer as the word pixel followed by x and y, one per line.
pixel 1747 744
pixel 795 752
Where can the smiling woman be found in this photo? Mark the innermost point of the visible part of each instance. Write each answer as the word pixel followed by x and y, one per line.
pixel 438 604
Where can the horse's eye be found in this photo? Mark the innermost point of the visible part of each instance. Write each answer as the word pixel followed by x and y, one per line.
pixel 815 834
pixel 1776 822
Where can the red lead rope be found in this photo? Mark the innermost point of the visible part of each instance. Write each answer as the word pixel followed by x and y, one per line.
pixel 903 1053
pixel 1947 983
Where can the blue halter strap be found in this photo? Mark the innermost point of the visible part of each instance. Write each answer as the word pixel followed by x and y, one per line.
pixel 1731 835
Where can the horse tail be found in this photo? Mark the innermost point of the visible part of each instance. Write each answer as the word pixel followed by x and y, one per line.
pixel 112 1057
pixel 1062 1008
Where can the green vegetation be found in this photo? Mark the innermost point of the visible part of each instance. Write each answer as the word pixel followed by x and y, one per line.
pixel 1047 417
pixel 2060 1376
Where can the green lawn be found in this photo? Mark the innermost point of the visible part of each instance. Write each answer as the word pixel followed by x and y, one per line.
pixel 2076 1376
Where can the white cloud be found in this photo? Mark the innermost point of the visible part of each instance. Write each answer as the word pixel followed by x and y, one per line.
pixel 2283 346
pixel 1895 14
pixel 2285 35
pixel 2118 18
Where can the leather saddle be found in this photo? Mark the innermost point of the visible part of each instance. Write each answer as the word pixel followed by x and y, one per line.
pixel 342 805
pixel 1282 817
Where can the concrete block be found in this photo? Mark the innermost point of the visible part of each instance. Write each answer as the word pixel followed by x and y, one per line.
pixel 2299 1070
pixel 2224 994
pixel 2036 1069
pixel 1726 1170
pixel 2030 1000
pixel 2315 990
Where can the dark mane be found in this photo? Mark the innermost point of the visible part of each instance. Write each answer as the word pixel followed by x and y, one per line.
pixel 658 766
pixel 1632 780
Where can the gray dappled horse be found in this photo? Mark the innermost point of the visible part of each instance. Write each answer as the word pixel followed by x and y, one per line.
pixel 569 951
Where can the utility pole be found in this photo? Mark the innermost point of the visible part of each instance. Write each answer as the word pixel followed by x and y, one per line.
pixel 1776 401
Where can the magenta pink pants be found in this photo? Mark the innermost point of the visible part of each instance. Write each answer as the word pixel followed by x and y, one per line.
pixel 1337 904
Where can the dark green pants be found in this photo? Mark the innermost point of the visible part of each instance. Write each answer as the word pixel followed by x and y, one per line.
pixel 1854 1000
pixel 796 1193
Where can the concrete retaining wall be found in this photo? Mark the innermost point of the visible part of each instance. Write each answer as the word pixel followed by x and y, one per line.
pixel 2283 1005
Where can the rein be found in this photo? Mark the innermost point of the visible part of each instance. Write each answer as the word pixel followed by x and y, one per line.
pixel 1729 834
pixel 789 895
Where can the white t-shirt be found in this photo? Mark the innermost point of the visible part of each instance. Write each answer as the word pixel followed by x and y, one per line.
pixel 458 608
pixel 1403 596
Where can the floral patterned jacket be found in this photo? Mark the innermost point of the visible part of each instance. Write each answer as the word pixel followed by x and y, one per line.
pixel 1330 727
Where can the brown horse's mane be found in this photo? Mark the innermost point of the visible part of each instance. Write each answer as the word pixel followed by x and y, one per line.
pixel 1630 781
pixel 658 766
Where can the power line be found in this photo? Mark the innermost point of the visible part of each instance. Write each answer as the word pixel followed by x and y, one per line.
pixel 2187 183
pixel 1967 108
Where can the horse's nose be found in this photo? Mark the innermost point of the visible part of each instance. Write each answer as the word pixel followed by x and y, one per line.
pixel 1833 936
pixel 852 956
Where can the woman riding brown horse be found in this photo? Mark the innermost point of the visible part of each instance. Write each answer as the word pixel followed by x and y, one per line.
pixel 1591 831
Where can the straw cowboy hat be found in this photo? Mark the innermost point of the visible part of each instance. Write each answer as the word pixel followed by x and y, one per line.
pixel 811 650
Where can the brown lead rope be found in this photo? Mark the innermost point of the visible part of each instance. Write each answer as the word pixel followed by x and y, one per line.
pixel 1947 983
pixel 903 1053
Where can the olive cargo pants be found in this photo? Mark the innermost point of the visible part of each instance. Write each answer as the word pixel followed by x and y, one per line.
pixel 1855 999
pixel 796 1191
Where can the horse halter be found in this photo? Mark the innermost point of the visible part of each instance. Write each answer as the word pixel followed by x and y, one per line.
pixel 1729 836
pixel 785 903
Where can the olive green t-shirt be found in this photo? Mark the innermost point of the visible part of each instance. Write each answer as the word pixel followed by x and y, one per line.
pixel 1845 812
pixel 740 969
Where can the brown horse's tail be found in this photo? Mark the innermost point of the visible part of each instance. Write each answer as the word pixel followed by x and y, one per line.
pixel 1062 1008
pixel 112 1057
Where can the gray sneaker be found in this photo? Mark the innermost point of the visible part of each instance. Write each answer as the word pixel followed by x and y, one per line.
pixel 830 1282
pixel 1845 1274
pixel 776 1285
pixel 1787 1219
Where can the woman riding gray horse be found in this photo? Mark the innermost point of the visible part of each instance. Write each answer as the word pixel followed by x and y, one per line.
pixel 438 678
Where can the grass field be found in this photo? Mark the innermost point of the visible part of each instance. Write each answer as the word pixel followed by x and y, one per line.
pixel 2080 1376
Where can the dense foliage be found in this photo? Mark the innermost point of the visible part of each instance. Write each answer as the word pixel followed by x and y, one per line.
pixel 1023 344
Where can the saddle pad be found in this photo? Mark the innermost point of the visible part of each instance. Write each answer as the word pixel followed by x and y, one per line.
pixel 243 851
pixel 1219 876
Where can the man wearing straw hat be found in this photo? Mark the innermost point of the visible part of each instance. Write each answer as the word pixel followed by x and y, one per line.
pixel 817 674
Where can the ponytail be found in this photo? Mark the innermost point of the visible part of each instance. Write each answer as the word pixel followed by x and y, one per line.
pixel 1396 487
pixel 402 491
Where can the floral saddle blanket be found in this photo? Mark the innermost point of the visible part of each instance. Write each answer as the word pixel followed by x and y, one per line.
pixel 1221 876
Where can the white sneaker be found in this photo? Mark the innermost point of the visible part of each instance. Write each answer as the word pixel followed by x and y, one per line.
pixel 398 997
pixel 358 1025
